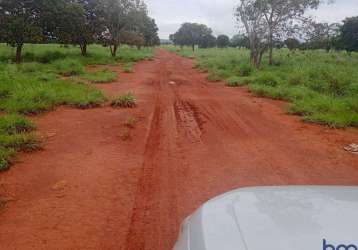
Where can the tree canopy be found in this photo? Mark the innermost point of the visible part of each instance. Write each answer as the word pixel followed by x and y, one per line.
pixel 349 34
pixel 77 22
pixel 20 23
pixel 223 41
pixel 192 34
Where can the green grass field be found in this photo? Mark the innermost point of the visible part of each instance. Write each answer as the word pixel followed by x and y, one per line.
pixel 50 75
pixel 321 87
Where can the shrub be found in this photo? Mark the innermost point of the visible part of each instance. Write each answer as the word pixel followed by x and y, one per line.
pixel 267 79
pixel 296 79
pixel 233 81
pixel 124 101
pixel 245 70
pixel 213 77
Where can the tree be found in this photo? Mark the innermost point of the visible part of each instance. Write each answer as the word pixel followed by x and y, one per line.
pixel 132 38
pixel 77 22
pixel 349 34
pixel 223 41
pixel 116 13
pixel 150 32
pixel 322 35
pixel 292 43
pixel 282 16
pixel 20 23
pixel 251 16
pixel 240 41
pixel 266 20
pixel 207 41
pixel 191 34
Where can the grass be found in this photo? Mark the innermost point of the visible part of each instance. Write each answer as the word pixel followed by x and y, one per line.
pixel 101 76
pixel 128 68
pixel 124 101
pixel 15 135
pixel 321 87
pixel 50 75
pixel 130 122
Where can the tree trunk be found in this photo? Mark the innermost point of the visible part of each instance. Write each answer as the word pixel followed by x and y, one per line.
pixel 83 49
pixel 260 58
pixel 18 53
pixel 270 49
pixel 193 47
pixel 254 57
pixel 113 49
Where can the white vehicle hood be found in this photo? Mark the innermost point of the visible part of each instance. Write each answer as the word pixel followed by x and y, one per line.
pixel 275 218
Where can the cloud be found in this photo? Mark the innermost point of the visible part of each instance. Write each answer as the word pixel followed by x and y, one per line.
pixel 219 14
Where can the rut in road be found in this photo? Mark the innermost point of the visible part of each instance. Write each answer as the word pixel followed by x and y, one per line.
pixel 193 141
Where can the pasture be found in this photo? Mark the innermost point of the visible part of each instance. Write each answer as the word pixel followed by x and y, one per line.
pixel 321 87
pixel 50 75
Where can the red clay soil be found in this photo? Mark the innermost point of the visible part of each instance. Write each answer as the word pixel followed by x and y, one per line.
pixel 100 185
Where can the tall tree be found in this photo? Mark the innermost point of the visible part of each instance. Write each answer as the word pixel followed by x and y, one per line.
pixel 150 32
pixel 292 43
pixel 140 23
pixel 265 20
pixel 207 41
pixel 349 34
pixel 322 35
pixel 20 23
pixel 240 41
pixel 223 41
pixel 249 13
pixel 282 17
pixel 77 22
pixel 117 19
pixel 191 34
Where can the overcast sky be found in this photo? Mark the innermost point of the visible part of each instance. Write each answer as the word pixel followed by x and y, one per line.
pixel 218 14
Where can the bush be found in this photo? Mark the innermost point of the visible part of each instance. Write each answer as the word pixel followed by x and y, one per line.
pixel 233 81
pixel 245 70
pixel 213 77
pixel 267 79
pixel 124 101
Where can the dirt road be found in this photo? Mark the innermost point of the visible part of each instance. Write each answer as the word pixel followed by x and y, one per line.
pixel 100 185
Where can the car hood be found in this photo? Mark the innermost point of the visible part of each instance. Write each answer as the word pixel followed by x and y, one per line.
pixel 276 218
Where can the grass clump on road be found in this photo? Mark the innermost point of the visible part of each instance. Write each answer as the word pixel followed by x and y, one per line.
pixel 124 101
pixel 130 122
pixel 322 87
pixel 128 68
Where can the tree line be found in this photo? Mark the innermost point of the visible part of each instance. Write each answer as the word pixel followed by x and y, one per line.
pixel 194 34
pixel 77 22
pixel 269 24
